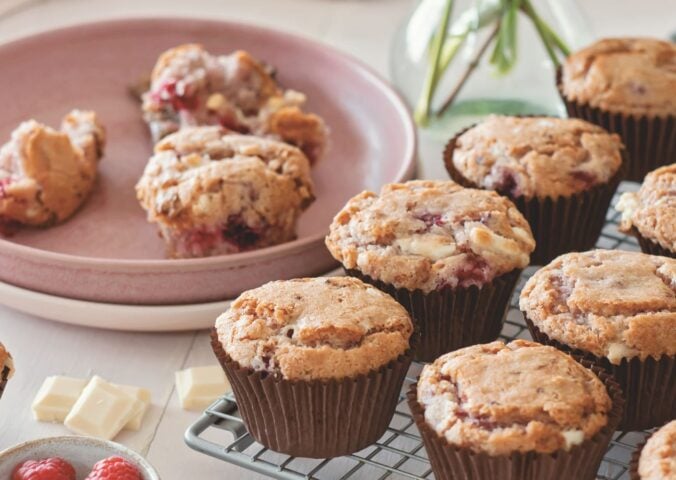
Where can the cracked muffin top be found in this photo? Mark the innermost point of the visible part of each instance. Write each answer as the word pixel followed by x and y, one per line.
pixel 191 87
pixel 202 175
pixel 45 174
pixel 658 457
pixel 537 156
pixel 610 303
pixel 518 397
pixel 315 328
pixel 430 235
pixel 626 75
pixel 652 210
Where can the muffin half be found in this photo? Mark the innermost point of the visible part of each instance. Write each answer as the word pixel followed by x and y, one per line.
pixel 6 368
pixel 617 309
pixel 560 173
pixel 316 364
pixel 450 255
pixel 656 458
pixel 650 213
pixel 520 411
pixel 627 85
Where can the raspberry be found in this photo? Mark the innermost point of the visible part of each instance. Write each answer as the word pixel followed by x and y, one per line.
pixel 114 468
pixel 46 469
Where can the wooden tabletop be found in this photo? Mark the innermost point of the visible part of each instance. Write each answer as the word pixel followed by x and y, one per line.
pixel 363 28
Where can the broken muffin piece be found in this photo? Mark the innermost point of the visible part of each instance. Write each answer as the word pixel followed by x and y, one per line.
pixel 191 87
pixel 45 174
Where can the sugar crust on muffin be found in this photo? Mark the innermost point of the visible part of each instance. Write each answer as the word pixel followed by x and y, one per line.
pixel 658 457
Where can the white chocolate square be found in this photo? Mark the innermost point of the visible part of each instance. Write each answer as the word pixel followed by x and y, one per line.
pixel 141 394
pixel 102 410
pixel 56 397
pixel 199 387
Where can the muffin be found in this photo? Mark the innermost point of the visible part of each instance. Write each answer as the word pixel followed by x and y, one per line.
pixel 560 173
pixel 650 213
pixel 450 255
pixel 627 86
pixel 46 175
pixel 6 368
pixel 514 411
pixel 191 87
pixel 212 193
pixel 656 459
pixel 316 364
pixel 617 309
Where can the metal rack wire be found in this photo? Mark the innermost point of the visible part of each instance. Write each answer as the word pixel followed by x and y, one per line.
pixel 399 454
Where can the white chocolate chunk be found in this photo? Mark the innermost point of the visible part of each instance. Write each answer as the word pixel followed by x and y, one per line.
pixel 102 410
pixel 199 387
pixel 141 394
pixel 56 397
pixel 572 437
pixel 434 247
pixel 627 204
pixel 618 351
pixel 485 242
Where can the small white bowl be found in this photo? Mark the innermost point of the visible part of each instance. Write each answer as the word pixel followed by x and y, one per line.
pixel 81 452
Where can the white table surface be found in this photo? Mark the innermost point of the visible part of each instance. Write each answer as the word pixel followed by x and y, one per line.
pixel 41 348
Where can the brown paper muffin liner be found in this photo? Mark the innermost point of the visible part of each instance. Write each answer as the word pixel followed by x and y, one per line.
pixel 635 457
pixel 560 225
pixel 450 318
pixel 650 247
pixel 580 462
pixel 649 385
pixel 650 141
pixel 315 419
pixel 4 376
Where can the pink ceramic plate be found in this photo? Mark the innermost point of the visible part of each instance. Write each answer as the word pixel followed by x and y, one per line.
pixel 108 252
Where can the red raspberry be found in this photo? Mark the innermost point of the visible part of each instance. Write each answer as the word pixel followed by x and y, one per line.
pixel 47 469
pixel 114 468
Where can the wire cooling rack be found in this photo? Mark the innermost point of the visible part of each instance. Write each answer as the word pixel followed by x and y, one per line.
pixel 399 454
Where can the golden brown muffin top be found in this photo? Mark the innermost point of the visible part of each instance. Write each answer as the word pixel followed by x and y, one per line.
pixel 658 457
pixel 431 234
pixel 315 328
pixel 611 303
pixel 537 156
pixel 652 210
pixel 626 75
pixel 518 397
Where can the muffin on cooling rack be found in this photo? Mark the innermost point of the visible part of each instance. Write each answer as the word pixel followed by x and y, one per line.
pixel 450 255
pixel 617 309
pixel 6 368
pixel 560 173
pixel 627 86
pixel 45 174
pixel 191 87
pixel 650 213
pixel 656 459
pixel 212 193
pixel 516 411
pixel 316 364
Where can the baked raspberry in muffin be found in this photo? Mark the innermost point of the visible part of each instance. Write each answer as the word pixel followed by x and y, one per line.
pixel 514 411
pixel 212 193
pixel 650 213
pixel 618 309
pixel 45 174
pixel 6 368
pixel 560 173
pixel 191 87
pixel 316 364
pixel 437 246
pixel 656 459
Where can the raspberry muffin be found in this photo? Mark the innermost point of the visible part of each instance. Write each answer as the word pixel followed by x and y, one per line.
pixel 627 86
pixel 560 173
pixel 213 193
pixel 650 213
pixel 6 368
pixel 191 87
pixel 514 411
pixel 656 459
pixel 617 309
pixel 45 174
pixel 450 255
pixel 316 364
